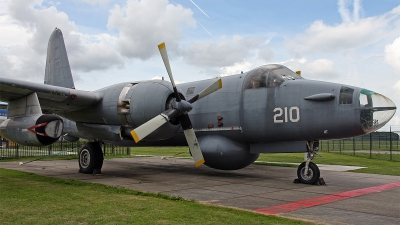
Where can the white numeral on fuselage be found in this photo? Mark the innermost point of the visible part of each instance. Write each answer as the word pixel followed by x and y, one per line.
pixel 293 115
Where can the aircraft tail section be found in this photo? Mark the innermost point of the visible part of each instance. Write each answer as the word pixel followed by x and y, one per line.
pixel 58 71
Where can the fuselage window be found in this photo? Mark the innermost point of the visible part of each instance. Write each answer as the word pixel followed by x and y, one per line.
pixel 346 96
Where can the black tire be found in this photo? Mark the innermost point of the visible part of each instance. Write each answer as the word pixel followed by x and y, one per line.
pixel 90 158
pixel 312 174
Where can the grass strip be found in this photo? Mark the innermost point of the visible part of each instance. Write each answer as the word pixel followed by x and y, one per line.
pixel 27 198
pixel 375 165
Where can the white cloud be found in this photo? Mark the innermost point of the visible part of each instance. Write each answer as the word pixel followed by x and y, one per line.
pixel 156 78
pixel 11 33
pixel 236 68
pixel 144 24
pixel 265 53
pixel 26 30
pixel 343 7
pixel 321 69
pixel 224 53
pixel 94 2
pixel 322 38
pixel 392 55
pixel 396 87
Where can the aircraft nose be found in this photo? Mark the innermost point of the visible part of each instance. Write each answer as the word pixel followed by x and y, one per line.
pixel 375 110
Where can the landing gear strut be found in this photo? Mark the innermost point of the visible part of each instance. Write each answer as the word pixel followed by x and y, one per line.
pixel 308 172
pixel 91 158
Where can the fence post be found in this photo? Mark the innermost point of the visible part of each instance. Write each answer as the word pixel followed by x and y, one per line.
pixel 370 145
pixel 379 136
pixel 328 145
pixel 354 146
pixel 61 144
pixel 386 142
pixel 49 148
pixel 362 142
pixel 17 150
pixel 340 146
pixel 390 133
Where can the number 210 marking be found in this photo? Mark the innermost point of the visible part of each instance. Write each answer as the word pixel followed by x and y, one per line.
pixel 293 115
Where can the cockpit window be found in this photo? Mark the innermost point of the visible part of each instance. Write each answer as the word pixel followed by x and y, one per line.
pixel 287 74
pixel 376 110
pixel 274 80
pixel 346 96
pixel 268 76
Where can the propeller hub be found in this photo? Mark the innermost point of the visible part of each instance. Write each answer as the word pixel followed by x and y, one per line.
pixel 183 106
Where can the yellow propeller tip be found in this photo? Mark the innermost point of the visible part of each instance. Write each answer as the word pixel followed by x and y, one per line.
pixel 199 163
pixel 135 136
pixel 161 46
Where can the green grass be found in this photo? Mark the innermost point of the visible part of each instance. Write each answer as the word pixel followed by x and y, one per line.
pixel 375 166
pixel 378 164
pixel 27 198
pixel 161 151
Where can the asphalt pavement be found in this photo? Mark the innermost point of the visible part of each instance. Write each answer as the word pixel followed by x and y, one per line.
pixel 348 197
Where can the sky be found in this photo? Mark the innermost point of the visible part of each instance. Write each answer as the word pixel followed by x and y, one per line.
pixel 353 42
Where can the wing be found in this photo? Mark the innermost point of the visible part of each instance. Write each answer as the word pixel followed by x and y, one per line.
pixel 50 97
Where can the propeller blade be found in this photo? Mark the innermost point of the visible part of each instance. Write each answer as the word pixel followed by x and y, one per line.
pixel 194 147
pixel 210 89
pixel 164 56
pixel 192 140
pixel 147 128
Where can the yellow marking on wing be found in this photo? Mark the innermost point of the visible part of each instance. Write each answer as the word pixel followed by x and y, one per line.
pixel 161 46
pixel 199 163
pixel 135 136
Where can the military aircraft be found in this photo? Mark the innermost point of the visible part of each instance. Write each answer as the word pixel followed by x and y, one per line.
pixel 269 109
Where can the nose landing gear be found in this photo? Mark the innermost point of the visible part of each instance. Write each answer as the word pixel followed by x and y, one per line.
pixel 308 172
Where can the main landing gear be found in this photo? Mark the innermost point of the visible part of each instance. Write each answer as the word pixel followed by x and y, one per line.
pixel 91 158
pixel 308 172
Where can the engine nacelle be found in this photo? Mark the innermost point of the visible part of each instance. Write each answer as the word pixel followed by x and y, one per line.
pixel 37 130
pixel 225 154
pixel 147 100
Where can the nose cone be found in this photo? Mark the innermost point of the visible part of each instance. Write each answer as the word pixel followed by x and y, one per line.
pixel 376 110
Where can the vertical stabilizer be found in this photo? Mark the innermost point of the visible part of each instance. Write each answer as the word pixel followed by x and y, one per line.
pixel 58 71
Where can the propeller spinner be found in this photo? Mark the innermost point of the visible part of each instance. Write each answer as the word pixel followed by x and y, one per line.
pixel 179 111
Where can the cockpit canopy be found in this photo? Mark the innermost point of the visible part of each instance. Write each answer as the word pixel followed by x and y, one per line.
pixel 268 76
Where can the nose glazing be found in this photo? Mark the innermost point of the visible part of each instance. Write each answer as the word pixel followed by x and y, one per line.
pixel 375 110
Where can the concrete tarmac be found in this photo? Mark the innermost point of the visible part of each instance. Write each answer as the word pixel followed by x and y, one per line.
pixel 363 198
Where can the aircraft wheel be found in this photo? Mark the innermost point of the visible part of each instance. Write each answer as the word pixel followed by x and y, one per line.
pixel 313 173
pixel 90 158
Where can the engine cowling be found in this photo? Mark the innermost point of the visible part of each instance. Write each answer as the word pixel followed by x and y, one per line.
pixel 225 154
pixel 37 130
pixel 147 100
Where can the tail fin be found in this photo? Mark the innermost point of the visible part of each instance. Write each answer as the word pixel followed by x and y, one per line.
pixel 58 71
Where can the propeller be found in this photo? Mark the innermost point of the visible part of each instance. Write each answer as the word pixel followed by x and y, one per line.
pixel 180 111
